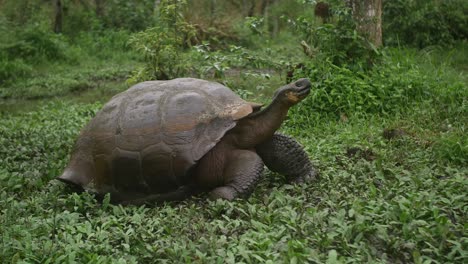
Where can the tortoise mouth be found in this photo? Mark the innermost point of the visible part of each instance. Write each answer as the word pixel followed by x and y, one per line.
pixel 303 92
pixel 303 87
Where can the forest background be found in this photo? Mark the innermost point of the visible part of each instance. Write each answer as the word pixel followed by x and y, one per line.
pixel 385 125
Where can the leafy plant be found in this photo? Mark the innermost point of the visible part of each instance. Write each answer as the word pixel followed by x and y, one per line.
pixel 13 69
pixel 379 198
pixel 130 15
pixel 452 147
pixel 255 24
pixel 24 47
pixel 33 42
pixel 162 46
pixel 421 23
pixel 405 205
pixel 389 88
pixel 338 41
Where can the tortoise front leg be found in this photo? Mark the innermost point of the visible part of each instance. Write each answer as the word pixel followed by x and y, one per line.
pixel 243 170
pixel 284 155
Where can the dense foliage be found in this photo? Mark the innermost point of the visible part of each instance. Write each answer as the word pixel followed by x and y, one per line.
pixel 378 199
pixel 162 46
pixel 422 23
pixel 337 41
pixel 385 127
pixel 388 88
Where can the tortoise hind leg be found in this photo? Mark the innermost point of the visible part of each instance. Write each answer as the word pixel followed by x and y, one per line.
pixel 284 155
pixel 243 170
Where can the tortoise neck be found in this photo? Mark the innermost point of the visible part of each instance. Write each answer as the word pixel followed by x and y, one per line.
pixel 260 126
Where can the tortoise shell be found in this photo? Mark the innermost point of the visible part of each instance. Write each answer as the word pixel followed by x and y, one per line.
pixel 148 138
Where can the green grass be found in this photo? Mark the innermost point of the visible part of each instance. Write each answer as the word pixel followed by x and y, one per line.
pixel 403 203
pixel 382 196
pixel 389 143
pixel 62 79
pixel 39 65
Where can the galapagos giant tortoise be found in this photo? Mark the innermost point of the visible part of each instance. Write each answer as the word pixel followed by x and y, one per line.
pixel 167 140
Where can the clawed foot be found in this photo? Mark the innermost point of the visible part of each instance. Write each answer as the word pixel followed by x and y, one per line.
pixel 311 176
pixel 224 192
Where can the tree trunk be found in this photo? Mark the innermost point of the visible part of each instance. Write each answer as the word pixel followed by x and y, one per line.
pixel 263 6
pixel 251 11
pixel 99 8
pixel 245 9
pixel 58 17
pixel 212 12
pixel 368 15
pixel 264 13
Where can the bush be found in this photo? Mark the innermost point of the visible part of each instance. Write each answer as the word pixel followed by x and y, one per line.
pixel 452 147
pixel 162 46
pixel 337 41
pixel 129 15
pixel 104 44
pixel 34 42
pixel 24 47
pixel 214 64
pixel 421 23
pixel 12 69
pixel 389 88
pixel 162 52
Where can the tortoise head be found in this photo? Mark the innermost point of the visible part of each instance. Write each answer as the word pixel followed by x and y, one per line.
pixel 293 93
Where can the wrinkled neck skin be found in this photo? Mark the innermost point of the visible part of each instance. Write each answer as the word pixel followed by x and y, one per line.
pixel 260 126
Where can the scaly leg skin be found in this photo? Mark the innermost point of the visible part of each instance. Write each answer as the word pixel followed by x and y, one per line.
pixel 244 169
pixel 284 155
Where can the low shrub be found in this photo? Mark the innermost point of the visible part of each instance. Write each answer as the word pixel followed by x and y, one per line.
pixel 34 42
pixel 422 23
pixel 162 46
pixel 13 69
pixel 129 15
pixel 389 88
pixel 337 41
pixel 104 45
pixel 162 52
pixel 30 45
pixel 452 147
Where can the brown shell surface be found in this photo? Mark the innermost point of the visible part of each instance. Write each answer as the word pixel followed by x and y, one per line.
pixel 146 139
